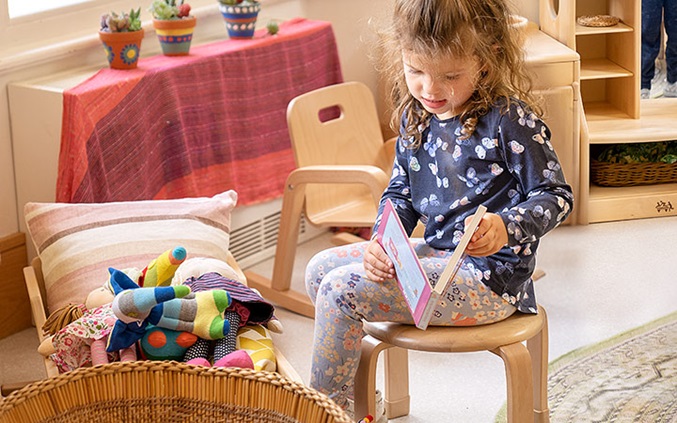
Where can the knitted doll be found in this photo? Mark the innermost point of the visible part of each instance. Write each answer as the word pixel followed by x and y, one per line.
pixel 171 307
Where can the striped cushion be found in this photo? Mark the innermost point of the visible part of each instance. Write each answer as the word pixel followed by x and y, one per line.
pixel 78 242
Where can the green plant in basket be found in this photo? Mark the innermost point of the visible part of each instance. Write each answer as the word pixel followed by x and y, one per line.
pixel 169 9
pixel 644 152
pixel 123 22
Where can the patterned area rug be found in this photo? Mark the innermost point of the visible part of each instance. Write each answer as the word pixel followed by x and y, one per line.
pixel 631 377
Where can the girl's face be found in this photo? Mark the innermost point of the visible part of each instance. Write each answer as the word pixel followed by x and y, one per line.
pixel 444 87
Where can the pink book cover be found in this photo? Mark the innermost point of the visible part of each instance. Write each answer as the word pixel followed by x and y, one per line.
pixel 411 278
pixel 394 240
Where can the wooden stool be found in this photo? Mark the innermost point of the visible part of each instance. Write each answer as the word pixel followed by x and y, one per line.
pixel 526 367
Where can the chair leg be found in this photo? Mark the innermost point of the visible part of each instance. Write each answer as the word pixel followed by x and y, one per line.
pixel 396 395
pixel 538 349
pixel 277 289
pixel 364 388
pixel 519 380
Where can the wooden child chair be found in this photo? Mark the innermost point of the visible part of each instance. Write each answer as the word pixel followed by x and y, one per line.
pixel 526 367
pixel 343 166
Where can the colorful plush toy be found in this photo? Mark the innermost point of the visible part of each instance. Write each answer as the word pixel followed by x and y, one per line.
pixel 169 322
pixel 78 334
pixel 170 307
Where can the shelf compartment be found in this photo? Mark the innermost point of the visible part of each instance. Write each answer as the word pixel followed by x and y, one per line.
pixel 609 125
pixel 623 203
pixel 602 69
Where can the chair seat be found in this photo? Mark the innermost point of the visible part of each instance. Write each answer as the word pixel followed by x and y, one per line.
pixel 355 212
pixel 515 328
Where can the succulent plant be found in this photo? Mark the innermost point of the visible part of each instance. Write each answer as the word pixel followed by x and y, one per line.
pixel 169 9
pixel 123 22
pixel 272 27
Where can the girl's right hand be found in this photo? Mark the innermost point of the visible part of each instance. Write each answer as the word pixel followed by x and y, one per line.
pixel 377 265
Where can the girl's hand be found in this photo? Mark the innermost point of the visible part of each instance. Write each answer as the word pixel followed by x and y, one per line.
pixel 490 237
pixel 377 265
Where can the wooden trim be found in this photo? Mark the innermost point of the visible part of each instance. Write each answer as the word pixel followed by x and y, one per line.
pixel 15 314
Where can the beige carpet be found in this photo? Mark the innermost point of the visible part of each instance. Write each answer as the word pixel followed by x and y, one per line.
pixel 631 377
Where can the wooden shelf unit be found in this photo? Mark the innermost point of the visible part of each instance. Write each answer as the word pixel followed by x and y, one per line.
pixel 606 126
pixel 612 110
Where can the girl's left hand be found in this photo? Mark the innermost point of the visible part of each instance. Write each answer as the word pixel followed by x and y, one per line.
pixel 491 235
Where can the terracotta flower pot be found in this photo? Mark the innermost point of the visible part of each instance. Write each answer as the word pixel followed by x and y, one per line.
pixel 175 35
pixel 240 19
pixel 122 48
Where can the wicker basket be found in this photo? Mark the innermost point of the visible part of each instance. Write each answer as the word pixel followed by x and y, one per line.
pixel 625 175
pixel 168 391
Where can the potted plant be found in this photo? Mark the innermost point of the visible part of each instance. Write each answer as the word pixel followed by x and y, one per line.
pixel 121 35
pixel 173 25
pixel 240 17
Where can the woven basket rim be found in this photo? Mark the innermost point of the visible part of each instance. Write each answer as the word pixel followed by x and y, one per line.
pixel 155 370
pixel 632 174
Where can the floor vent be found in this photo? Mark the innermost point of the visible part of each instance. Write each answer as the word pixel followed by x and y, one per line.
pixel 255 229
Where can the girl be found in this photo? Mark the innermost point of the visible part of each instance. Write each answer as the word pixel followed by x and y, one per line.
pixel 469 134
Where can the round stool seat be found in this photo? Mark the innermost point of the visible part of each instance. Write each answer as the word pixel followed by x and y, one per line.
pixel 516 328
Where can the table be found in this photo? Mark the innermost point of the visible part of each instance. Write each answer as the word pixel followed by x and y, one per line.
pixel 193 125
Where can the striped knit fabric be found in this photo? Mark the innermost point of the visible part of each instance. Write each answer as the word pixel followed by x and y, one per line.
pixel 193 125
pixel 258 310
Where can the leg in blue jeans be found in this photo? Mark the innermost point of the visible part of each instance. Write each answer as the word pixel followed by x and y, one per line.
pixel 343 296
pixel 670 22
pixel 652 14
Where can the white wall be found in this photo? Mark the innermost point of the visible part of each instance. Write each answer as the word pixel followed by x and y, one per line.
pixel 350 19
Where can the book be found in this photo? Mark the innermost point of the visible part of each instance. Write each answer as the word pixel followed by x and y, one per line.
pixel 412 280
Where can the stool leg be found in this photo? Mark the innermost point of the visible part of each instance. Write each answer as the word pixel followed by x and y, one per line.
pixel 538 349
pixel 397 382
pixel 364 388
pixel 519 380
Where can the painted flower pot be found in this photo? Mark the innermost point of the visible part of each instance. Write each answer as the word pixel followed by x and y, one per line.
pixel 122 48
pixel 175 35
pixel 240 19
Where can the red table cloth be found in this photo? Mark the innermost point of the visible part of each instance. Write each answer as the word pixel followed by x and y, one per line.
pixel 193 125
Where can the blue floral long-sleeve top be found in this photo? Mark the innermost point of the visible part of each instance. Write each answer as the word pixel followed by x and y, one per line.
pixel 509 165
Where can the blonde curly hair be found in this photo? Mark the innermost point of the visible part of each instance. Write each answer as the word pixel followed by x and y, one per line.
pixel 432 29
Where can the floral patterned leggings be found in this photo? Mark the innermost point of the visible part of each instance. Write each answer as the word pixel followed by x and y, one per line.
pixel 343 296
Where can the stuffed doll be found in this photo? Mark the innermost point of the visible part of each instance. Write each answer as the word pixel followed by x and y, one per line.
pixel 170 307
pixel 82 341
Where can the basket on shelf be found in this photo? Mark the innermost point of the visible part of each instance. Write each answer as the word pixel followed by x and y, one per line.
pixel 168 391
pixel 626 175
pixel 630 164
